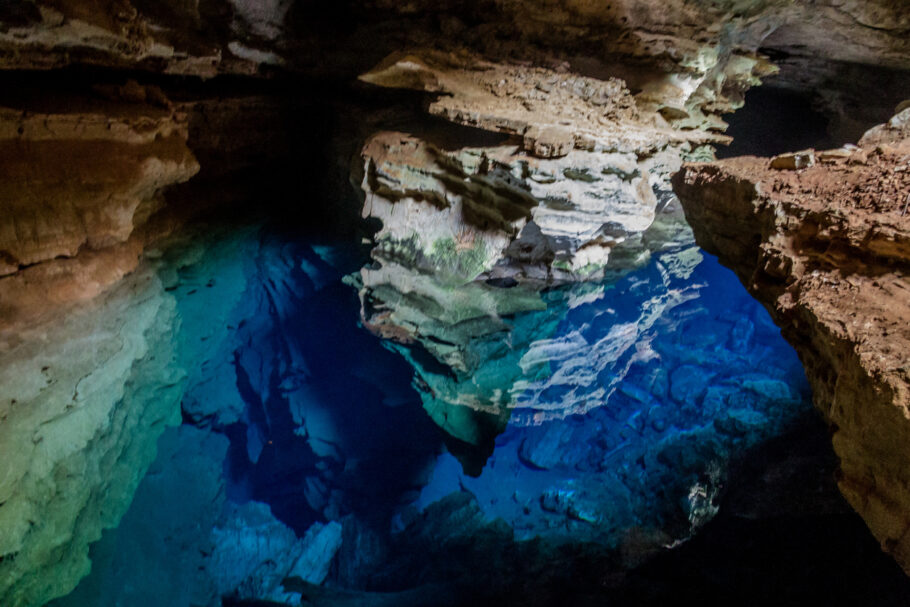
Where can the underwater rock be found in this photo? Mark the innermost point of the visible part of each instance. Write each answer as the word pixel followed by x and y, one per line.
pixel 482 352
pixel 200 548
pixel 253 554
pixel 825 249
pixel 604 443
pixel 157 554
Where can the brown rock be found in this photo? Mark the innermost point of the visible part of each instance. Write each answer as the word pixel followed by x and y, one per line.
pixel 794 161
pixel 826 249
pixel 75 187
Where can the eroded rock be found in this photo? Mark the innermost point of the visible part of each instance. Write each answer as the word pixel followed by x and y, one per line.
pixel 79 185
pixel 83 403
pixel 826 251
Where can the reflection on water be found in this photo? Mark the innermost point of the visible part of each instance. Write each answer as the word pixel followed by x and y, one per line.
pixel 650 386
pixel 305 450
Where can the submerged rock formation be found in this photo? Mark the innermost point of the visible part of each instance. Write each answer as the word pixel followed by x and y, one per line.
pixel 84 400
pixel 826 248
pixel 201 547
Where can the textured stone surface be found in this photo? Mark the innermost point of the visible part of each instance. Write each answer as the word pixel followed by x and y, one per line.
pixel 197 549
pixel 174 37
pixel 469 234
pixel 826 249
pixel 83 402
pixel 78 185
pixel 579 178
pixel 627 403
pixel 254 553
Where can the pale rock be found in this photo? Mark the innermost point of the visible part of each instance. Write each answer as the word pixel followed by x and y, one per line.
pixel 794 161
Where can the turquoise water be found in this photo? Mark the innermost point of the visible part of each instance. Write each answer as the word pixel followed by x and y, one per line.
pixel 305 452
pixel 296 415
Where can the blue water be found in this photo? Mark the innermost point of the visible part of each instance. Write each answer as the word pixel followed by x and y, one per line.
pixel 631 399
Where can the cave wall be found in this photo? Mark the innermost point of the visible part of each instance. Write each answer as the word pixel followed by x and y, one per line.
pixel 90 180
pixel 825 248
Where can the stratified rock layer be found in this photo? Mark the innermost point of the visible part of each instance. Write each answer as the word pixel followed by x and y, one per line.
pixel 570 175
pixel 826 249
pixel 83 402
pixel 78 184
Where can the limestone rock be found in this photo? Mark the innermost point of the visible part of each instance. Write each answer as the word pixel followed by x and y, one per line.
pixel 157 552
pixel 76 179
pixel 548 142
pixel 470 235
pixel 233 36
pixel 794 161
pixel 77 188
pixel 825 250
pixel 82 404
pixel 254 552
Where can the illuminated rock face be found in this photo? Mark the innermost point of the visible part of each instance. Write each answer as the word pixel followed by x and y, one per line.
pixel 826 256
pixel 81 183
pixel 84 401
pixel 582 174
pixel 471 234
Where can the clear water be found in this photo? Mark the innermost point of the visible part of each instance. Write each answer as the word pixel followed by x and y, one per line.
pixel 305 449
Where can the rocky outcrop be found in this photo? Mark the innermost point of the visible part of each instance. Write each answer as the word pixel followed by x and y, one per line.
pixel 531 200
pixel 679 46
pixel 826 249
pixel 80 183
pixel 233 36
pixel 571 178
pixel 84 400
pixel 822 46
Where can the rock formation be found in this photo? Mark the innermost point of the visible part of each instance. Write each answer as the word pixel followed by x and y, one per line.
pixel 201 547
pixel 173 37
pixel 84 400
pixel 826 248
pixel 568 193
pixel 534 177
pixel 80 182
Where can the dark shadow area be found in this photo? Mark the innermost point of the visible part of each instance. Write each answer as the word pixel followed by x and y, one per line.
pixel 784 536
pixel 336 425
pixel 775 121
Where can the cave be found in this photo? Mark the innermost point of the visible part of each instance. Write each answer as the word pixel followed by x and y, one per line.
pixel 445 304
